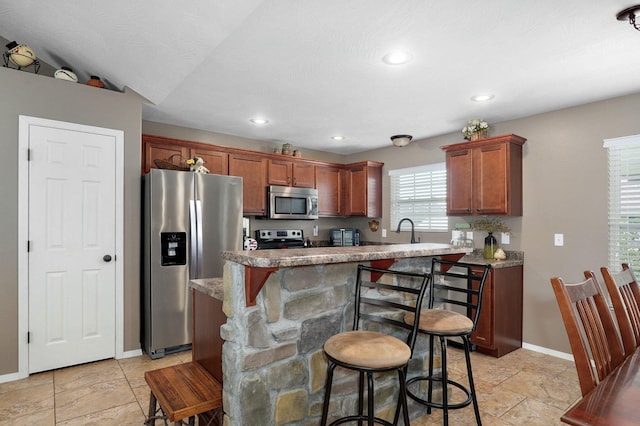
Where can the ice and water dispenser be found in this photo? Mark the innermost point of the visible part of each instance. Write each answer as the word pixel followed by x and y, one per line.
pixel 173 248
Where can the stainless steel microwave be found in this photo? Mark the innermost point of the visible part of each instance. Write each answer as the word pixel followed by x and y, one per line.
pixel 286 202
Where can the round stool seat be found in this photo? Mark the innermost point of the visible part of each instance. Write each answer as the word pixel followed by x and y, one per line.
pixel 367 349
pixel 441 321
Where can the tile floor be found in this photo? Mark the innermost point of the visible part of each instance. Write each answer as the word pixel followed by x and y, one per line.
pixel 521 388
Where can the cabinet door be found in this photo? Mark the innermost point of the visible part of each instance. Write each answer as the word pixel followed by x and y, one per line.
pixel 253 170
pixel 459 182
pixel 304 175
pixel 491 180
pixel 356 191
pixel 157 150
pixel 484 333
pixel 280 172
pixel 217 162
pixel 329 185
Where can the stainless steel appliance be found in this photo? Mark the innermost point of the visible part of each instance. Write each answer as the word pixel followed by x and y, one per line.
pixel 344 237
pixel 286 202
pixel 279 238
pixel 189 218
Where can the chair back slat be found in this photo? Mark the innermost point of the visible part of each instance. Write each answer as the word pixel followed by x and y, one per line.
pixel 596 348
pixel 387 303
pixel 624 295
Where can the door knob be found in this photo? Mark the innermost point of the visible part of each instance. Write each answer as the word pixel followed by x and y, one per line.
pixel 106 258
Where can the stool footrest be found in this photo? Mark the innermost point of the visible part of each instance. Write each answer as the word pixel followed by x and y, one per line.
pixel 438 404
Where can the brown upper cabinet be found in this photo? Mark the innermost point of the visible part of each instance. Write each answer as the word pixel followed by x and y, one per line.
pixel 177 152
pixel 290 173
pixel 363 189
pixel 330 192
pixel 253 170
pixel 484 177
pixel 343 190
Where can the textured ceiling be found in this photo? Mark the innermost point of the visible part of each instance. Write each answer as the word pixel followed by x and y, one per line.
pixel 314 68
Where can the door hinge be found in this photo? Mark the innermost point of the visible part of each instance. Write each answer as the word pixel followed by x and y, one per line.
pixel 28 154
pixel 28 337
pixel 28 245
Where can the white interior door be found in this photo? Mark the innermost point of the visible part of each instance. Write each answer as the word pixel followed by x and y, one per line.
pixel 72 233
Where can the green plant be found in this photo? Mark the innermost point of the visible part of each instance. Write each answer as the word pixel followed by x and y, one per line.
pixel 490 224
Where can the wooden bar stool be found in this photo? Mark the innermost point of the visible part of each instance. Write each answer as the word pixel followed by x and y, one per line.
pixel 182 391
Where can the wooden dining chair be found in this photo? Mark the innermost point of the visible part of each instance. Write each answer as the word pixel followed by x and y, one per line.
pixel 594 341
pixel 625 298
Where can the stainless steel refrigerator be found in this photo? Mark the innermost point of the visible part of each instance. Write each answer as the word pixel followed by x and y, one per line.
pixel 189 219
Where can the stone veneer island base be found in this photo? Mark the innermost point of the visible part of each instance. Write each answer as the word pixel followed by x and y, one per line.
pixel 280 307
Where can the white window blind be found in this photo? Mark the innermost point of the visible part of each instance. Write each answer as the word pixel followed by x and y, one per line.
pixel 624 201
pixel 420 193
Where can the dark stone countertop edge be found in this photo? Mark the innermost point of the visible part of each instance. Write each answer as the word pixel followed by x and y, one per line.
pixel 329 255
pixel 514 258
pixel 213 287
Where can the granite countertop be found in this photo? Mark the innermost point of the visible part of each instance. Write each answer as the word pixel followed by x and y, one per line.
pixel 213 287
pixel 514 258
pixel 326 255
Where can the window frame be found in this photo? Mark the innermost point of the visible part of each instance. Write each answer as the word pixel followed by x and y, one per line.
pixel 429 213
pixel 623 167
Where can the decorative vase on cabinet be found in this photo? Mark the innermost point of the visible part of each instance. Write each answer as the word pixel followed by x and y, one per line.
pixel 490 246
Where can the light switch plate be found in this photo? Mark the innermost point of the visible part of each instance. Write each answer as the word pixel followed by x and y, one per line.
pixel 384 233
pixel 505 238
pixel 469 235
pixel 558 239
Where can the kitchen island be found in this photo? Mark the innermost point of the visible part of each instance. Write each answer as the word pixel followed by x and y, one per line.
pixel 280 307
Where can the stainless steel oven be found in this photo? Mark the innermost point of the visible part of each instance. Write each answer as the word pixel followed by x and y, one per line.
pixel 287 202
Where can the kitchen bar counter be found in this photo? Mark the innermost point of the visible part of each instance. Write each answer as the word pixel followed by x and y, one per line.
pixel 273 365
pixel 329 255
pixel 260 264
pixel 514 258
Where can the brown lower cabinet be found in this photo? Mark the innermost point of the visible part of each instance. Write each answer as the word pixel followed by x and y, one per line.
pixel 206 348
pixel 499 329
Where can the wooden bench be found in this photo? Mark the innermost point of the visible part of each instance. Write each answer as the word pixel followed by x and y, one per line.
pixel 183 391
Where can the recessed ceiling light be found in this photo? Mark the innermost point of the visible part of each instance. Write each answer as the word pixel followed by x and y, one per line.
pixel 338 138
pixel 482 98
pixel 259 120
pixel 396 58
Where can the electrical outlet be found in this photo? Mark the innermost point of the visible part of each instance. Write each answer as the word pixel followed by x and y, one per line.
pixel 469 235
pixel 505 238
pixel 315 230
pixel 558 239
pixel 384 233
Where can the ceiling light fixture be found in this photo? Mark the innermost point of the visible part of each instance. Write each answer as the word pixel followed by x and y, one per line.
pixel 259 120
pixel 401 140
pixel 396 58
pixel 338 138
pixel 482 98
pixel 630 14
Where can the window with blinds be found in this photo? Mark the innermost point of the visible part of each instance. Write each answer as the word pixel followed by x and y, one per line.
pixel 420 193
pixel 624 201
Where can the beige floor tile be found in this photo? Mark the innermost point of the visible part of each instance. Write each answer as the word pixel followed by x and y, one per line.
pixel 38 418
pixel 33 380
pixel 545 388
pixel 79 376
pixel 93 398
pixel 134 368
pixel 533 413
pixel 26 400
pixel 129 414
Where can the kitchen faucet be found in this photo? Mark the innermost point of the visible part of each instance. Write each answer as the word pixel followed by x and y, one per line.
pixel 413 235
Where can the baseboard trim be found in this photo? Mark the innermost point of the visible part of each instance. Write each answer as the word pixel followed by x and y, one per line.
pixel 131 354
pixel 552 352
pixel 13 376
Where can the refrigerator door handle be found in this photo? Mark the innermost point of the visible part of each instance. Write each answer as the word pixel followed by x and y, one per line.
pixel 193 236
pixel 199 239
